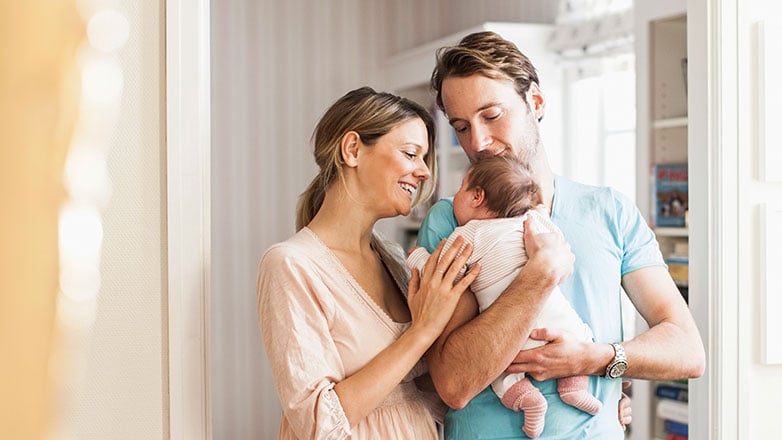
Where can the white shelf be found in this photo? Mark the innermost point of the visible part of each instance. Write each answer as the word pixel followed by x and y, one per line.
pixel 670 123
pixel 672 232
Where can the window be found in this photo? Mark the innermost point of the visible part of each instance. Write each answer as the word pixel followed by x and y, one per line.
pixel 600 122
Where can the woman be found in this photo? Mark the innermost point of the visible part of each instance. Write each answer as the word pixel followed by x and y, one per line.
pixel 343 343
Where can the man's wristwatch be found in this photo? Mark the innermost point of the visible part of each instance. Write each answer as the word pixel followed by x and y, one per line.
pixel 618 366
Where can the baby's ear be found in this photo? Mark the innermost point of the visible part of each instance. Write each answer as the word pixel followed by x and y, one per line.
pixel 478 196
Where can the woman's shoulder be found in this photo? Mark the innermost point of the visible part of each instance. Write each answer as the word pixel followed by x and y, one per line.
pixel 299 249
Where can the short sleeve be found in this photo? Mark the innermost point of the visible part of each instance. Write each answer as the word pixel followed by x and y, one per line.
pixel 294 315
pixel 640 247
pixel 438 224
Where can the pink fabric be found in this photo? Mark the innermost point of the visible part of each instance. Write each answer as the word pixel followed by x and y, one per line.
pixel 573 391
pixel 319 327
pixel 523 396
pixel 502 239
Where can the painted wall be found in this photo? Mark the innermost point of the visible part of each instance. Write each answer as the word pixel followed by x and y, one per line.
pixel 757 383
pixel 276 67
pixel 120 388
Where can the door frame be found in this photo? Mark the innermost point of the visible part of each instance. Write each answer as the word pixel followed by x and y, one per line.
pixel 712 44
pixel 188 152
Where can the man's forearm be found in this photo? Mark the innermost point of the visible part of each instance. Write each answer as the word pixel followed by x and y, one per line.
pixel 672 347
pixel 471 353
pixel 666 351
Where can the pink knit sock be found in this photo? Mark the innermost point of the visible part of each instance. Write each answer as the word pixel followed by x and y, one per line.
pixel 523 396
pixel 572 390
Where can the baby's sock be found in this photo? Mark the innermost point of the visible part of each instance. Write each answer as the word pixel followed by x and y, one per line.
pixel 523 396
pixel 572 390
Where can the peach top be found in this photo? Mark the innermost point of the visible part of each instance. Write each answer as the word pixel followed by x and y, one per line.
pixel 319 327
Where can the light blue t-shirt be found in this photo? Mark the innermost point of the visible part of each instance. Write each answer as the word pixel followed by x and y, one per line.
pixel 609 238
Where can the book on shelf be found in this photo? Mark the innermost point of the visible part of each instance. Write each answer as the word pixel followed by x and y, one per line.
pixel 673 410
pixel 669 195
pixel 672 392
pixel 676 428
pixel 675 437
pixel 678 267
pixel 678 262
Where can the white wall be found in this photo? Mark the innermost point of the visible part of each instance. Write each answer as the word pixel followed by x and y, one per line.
pixel 726 238
pixel 276 67
pixel 120 389
pixel 410 23
pixel 758 384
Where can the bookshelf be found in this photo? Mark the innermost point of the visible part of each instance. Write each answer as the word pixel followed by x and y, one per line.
pixel 662 130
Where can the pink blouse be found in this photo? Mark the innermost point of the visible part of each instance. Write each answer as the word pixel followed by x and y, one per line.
pixel 319 327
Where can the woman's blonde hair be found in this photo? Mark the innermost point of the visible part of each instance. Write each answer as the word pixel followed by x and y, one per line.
pixel 372 115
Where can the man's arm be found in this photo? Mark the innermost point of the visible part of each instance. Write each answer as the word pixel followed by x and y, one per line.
pixel 671 349
pixel 473 350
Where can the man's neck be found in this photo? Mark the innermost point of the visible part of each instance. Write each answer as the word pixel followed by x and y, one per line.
pixel 545 179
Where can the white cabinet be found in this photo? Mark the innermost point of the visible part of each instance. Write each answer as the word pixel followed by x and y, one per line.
pixel 408 74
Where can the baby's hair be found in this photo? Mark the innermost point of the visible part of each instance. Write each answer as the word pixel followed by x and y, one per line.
pixel 507 183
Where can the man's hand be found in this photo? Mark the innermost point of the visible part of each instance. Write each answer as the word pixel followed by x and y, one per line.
pixel 562 356
pixel 549 254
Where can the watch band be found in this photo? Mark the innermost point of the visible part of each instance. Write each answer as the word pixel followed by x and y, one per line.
pixel 618 365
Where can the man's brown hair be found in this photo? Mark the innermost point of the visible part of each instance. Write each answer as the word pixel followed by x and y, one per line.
pixel 484 53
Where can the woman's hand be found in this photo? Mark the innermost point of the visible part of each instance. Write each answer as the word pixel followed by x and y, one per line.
pixel 432 294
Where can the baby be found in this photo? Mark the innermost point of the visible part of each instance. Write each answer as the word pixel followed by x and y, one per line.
pixel 496 197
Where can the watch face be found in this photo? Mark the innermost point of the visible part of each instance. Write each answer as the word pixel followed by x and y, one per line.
pixel 618 369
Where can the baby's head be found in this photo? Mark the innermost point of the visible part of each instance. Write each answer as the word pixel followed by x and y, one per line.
pixel 495 187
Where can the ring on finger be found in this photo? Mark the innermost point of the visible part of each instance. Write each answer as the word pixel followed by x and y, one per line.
pixel 440 271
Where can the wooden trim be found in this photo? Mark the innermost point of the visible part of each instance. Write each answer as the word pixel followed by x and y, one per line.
pixel 188 199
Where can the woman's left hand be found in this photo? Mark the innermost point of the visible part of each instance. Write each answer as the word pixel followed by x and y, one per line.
pixel 433 294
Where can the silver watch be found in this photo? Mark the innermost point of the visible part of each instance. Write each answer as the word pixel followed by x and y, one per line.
pixel 618 365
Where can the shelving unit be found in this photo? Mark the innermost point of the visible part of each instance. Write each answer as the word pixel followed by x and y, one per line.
pixel 662 130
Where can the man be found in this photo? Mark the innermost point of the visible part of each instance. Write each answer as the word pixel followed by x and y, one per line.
pixel 490 93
